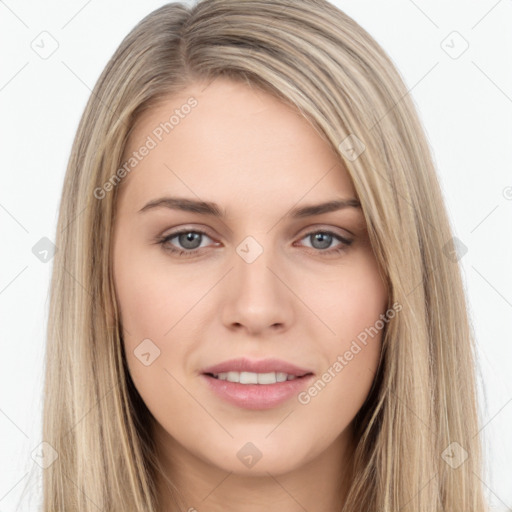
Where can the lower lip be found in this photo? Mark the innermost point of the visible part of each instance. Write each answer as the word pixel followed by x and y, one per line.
pixel 257 396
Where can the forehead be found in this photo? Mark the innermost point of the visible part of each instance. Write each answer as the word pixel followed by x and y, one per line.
pixel 227 140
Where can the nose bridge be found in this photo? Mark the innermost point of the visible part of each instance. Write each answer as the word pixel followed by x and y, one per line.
pixel 254 260
pixel 257 297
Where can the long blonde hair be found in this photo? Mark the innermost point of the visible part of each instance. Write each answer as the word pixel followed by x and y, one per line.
pixel 422 409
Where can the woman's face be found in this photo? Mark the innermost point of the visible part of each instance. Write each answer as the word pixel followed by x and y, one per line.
pixel 250 279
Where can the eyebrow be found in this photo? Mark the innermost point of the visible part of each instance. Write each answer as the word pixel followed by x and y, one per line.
pixel 213 209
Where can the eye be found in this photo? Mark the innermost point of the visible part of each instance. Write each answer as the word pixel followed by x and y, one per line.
pixel 190 241
pixel 323 239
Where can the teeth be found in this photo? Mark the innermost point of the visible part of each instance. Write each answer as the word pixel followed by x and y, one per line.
pixel 254 378
pixel 246 378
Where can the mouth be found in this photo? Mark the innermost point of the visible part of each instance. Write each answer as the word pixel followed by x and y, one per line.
pixel 256 384
pixel 256 391
pixel 263 379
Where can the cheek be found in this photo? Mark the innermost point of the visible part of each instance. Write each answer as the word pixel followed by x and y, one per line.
pixel 353 306
pixel 161 303
pixel 357 298
pixel 152 296
pixel 150 304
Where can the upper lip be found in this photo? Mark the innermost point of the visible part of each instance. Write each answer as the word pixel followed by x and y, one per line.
pixel 257 366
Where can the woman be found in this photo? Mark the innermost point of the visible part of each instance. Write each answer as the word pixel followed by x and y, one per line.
pixel 313 351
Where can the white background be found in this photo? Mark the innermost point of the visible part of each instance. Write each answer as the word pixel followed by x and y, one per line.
pixel 465 105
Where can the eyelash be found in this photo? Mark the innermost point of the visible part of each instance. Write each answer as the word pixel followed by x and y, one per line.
pixel 345 243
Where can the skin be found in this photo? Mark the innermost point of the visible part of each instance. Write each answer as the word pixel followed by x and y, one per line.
pixel 257 158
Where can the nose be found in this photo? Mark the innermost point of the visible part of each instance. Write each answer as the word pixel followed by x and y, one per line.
pixel 257 298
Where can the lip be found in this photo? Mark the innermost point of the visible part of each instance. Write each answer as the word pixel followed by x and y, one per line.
pixel 243 364
pixel 257 396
